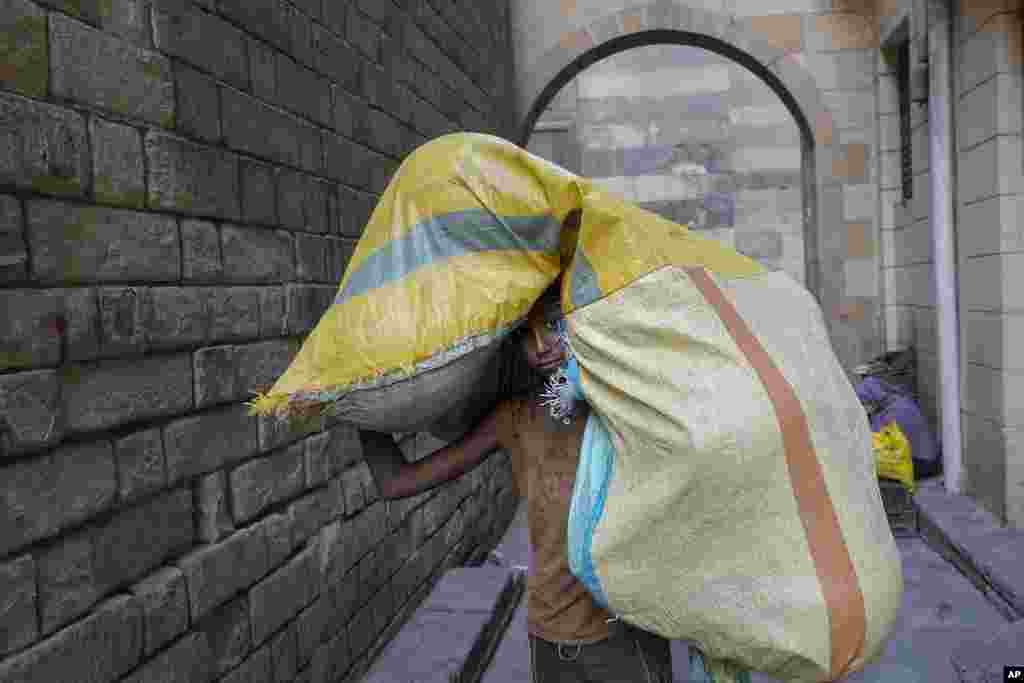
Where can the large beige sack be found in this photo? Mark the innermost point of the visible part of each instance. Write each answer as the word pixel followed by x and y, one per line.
pixel 742 510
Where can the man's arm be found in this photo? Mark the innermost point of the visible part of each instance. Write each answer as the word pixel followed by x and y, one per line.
pixel 398 479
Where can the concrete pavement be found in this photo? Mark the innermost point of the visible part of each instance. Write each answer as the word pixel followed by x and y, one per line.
pixel 950 629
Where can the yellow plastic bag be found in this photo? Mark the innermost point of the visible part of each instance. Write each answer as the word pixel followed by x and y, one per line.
pixel 892 455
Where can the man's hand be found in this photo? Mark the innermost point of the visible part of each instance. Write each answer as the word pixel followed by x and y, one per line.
pixel 398 479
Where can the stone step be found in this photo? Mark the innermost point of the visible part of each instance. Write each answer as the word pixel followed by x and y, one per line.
pixel 452 636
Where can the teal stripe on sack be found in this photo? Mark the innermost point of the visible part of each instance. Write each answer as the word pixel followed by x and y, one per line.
pixel 453 234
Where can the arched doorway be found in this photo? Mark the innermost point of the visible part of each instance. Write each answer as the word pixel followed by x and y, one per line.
pixel 554 42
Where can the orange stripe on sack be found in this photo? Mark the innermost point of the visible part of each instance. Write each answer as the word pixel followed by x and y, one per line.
pixel 839 583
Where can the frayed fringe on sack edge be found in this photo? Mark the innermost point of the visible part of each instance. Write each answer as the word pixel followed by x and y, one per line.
pixel 313 403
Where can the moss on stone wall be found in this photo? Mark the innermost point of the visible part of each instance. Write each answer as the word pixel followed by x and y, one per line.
pixel 24 60
pixel 50 184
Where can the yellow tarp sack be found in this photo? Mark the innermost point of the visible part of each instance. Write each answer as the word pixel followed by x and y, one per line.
pixel 892 455
pixel 742 511
pixel 464 239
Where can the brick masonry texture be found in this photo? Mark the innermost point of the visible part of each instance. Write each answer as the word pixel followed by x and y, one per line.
pixel 182 185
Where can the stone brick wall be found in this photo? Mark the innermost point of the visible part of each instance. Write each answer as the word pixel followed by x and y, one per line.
pixel 988 75
pixel 181 186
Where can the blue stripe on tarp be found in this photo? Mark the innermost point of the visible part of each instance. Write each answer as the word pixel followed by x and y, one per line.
pixel 593 474
pixel 438 238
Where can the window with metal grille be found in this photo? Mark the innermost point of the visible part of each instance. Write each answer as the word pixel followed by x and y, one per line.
pixel 903 88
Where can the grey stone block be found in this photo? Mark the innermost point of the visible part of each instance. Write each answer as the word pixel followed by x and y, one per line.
pixel 344 449
pixel 255 669
pixel 381 171
pixel 18 617
pixel 361 33
pixel 362 633
pixel 47 494
pixel 212 512
pixel 178 316
pixel 141 466
pixel 334 558
pixel 234 313
pixel 68 584
pixel 81 334
pixel 276 432
pixel 331 660
pixel 346 110
pixel 125 313
pixel 164 600
pixel 187 661
pixel 358 208
pixel 191 178
pixel 263 69
pixel 343 594
pixel 258 129
pixel 198 112
pixel 284 656
pixel 140 538
pixel 29 328
pixel 216 376
pixel 281 596
pixel 107 394
pixel 259 365
pixel 202 443
pixel 261 17
pixel 303 91
pixel 259 193
pixel 102 647
pixel 383 605
pixel 311 628
pixel 47 147
pixel 200 244
pixel 346 161
pixel 333 57
pixel 318 463
pixel 28 55
pixel 312 253
pixel 302 201
pixel 183 30
pixel 335 15
pixel 299 30
pixel 309 514
pixel 89 244
pixel 272 310
pixel 385 133
pixel 104 71
pixel 13 251
pixel 118 170
pixel 354 497
pixel 216 572
pixel 264 481
pixel 228 630
pixel 257 255
pixel 128 19
pixel 278 528
pixel 305 305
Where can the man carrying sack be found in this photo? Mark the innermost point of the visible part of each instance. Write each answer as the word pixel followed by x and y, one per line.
pixel 571 637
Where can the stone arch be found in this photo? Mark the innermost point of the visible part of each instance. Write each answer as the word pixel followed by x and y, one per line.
pixel 752 47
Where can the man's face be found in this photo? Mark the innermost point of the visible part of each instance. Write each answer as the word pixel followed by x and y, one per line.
pixel 544 350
